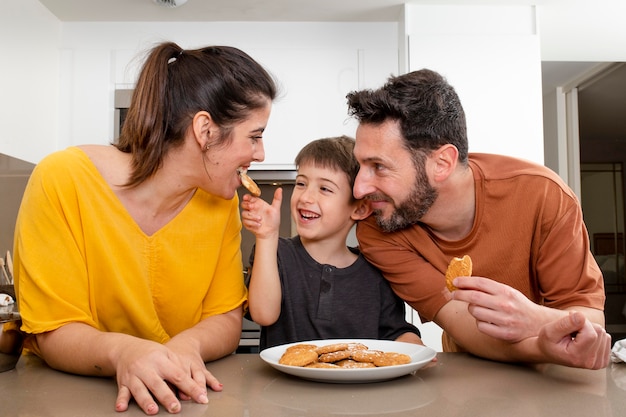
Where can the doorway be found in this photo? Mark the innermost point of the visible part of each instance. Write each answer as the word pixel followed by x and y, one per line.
pixel 588 134
pixel 602 190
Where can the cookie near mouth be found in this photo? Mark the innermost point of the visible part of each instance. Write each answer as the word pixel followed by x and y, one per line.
pixel 249 183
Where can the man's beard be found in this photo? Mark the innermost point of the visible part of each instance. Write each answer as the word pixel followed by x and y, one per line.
pixel 410 211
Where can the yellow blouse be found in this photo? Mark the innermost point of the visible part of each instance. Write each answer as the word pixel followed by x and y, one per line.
pixel 80 257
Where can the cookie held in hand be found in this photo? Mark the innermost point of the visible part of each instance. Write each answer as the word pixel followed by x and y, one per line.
pixel 458 267
pixel 249 183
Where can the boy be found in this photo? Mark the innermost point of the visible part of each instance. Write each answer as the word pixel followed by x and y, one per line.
pixel 313 286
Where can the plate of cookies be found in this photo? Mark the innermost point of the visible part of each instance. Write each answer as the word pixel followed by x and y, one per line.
pixel 348 360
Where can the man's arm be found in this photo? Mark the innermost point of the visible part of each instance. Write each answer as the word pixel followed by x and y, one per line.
pixel 540 347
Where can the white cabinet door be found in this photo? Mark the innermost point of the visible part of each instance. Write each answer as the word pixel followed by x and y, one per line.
pixel 312 104
pixel 498 79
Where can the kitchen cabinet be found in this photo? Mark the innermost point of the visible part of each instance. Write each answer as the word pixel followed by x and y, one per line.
pixel 313 83
pixel 316 64
pixel 493 61
pixel 14 175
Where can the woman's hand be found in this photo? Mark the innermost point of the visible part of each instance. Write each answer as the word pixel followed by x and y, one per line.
pixel 178 365
pixel 148 371
pixel 193 362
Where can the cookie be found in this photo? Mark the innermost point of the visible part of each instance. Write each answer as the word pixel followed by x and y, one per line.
pixel 365 355
pixel 301 346
pixel 340 355
pixel 351 363
pixel 334 356
pixel 298 357
pixel 357 346
pixel 458 267
pixel 249 184
pixel 332 348
pixel 391 359
pixel 322 365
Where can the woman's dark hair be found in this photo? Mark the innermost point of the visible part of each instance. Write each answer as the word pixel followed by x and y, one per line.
pixel 427 108
pixel 335 153
pixel 175 84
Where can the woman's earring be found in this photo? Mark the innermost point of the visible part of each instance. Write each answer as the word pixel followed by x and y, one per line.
pixel 206 147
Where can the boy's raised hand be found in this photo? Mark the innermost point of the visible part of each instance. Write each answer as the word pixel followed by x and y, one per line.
pixel 261 218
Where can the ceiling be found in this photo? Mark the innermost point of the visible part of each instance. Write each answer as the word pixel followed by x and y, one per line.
pixel 226 10
pixel 604 99
pixel 247 10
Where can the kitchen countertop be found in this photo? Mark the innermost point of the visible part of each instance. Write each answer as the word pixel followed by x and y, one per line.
pixel 456 385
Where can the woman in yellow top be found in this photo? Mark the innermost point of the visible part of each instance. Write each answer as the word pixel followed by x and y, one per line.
pixel 127 257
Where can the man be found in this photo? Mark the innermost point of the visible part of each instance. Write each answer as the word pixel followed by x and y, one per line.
pixel 537 295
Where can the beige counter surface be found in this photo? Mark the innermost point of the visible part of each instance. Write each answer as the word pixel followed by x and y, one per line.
pixel 456 385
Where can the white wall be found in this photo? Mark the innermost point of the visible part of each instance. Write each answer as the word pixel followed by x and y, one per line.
pixel 29 79
pixel 70 71
pixel 316 64
pixel 582 30
pixel 36 62
pixel 492 58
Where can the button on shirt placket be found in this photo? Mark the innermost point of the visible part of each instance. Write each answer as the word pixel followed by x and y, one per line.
pixel 325 305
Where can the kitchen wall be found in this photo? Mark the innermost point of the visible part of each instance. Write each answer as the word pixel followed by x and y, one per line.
pixel 29 79
pixel 492 58
pixel 35 53
pixel 14 174
pixel 582 30
pixel 55 94
pixel 315 65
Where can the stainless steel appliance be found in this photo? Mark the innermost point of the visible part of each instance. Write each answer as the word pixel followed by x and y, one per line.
pixel 121 103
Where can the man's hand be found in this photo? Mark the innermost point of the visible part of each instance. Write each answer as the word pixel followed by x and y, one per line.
pixel 502 311
pixel 575 341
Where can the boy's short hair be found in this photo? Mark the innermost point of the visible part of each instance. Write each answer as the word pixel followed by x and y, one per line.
pixel 334 153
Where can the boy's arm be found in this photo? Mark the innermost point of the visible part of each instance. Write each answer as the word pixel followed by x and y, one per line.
pixel 264 291
pixel 263 219
pixel 410 337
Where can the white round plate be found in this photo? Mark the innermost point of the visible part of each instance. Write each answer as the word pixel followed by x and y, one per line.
pixel 420 356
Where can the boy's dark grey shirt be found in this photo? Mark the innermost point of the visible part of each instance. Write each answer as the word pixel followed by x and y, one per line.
pixel 325 302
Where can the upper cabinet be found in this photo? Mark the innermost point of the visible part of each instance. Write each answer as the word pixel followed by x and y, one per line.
pixel 314 84
pixel 315 65
pixel 492 59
